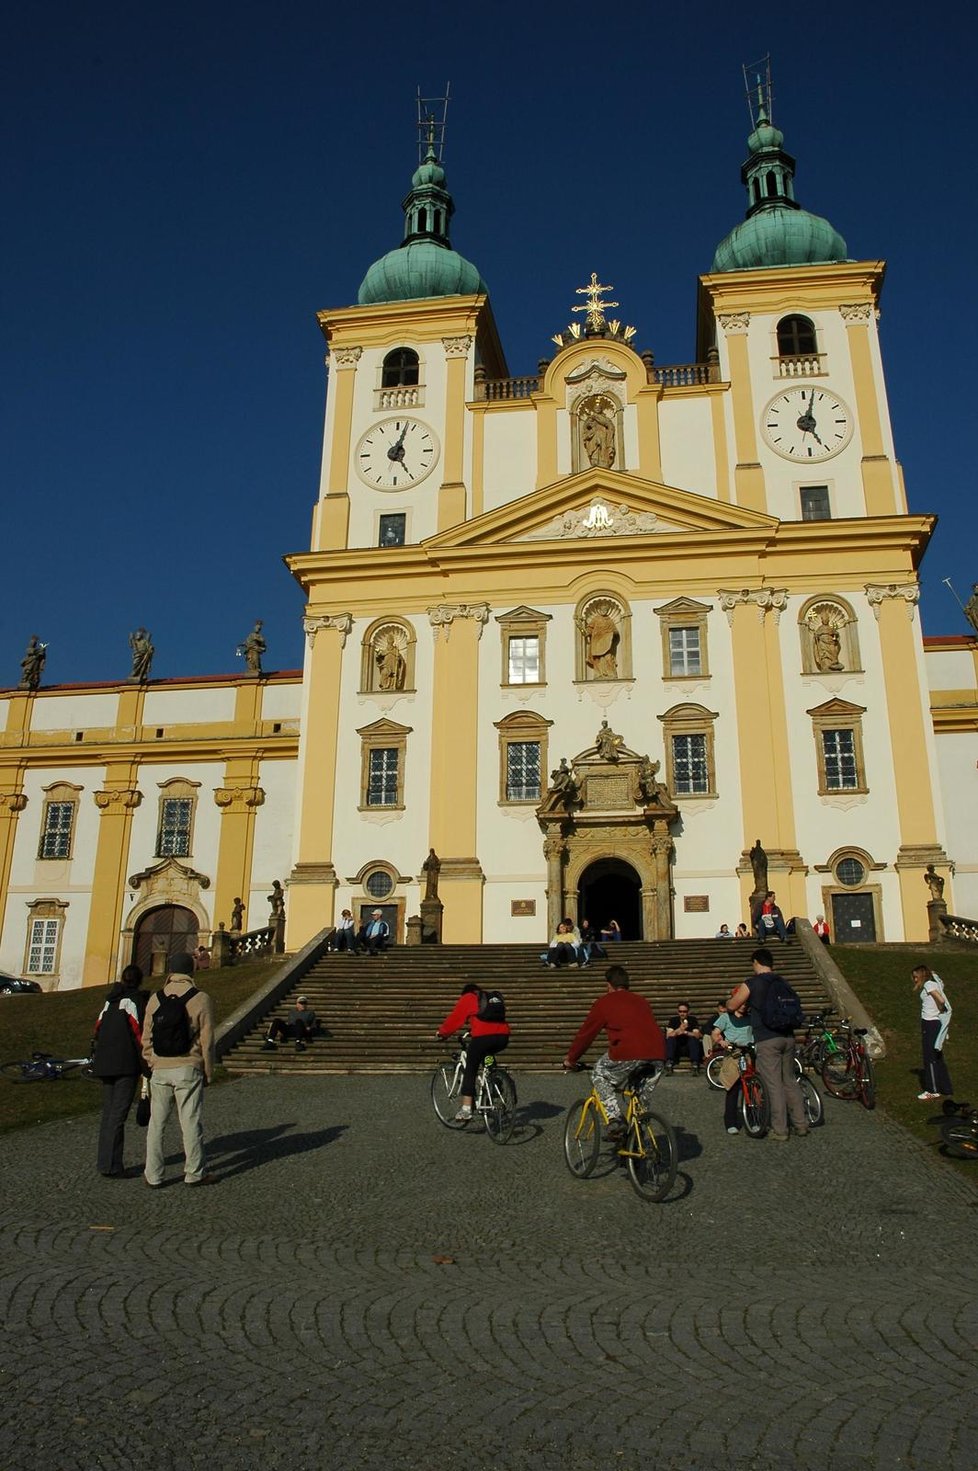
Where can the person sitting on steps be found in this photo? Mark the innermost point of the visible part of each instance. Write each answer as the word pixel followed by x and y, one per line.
pixel 374 935
pixel 302 1026
pixel 684 1035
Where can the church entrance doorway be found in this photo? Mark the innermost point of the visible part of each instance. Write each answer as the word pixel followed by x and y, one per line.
pixel 611 889
pixel 158 933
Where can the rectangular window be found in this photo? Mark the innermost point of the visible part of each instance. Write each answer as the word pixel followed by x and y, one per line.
pixel 815 503
pixel 689 768
pixel 56 837
pixel 524 660
pixel 382 777
pixel 684 651
pixel 523 771
pixel 176 815
pixel 393 529
pixel 42 947
pixel 839 751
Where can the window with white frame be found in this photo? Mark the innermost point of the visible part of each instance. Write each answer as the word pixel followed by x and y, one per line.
pixel 684 648
pixel 42 947
pixel 383 758
pixel 523 771
pixel 837 727
pixel 690 759
pixel 176 822
pixel 523 634
pixel 839 756
pixel 689 765
pixel 524 659
pixel 59 819
pixel 684 652
pixel 522 756
pixel 382 779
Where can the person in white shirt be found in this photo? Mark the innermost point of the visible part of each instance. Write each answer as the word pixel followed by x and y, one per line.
pixel 344 935
pixel 935 1018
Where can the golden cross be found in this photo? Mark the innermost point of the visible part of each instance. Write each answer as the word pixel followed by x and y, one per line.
pixel 595 306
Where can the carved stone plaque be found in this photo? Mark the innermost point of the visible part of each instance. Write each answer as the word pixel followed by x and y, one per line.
pixel 696 903
pixel 611 790
pixel 521 908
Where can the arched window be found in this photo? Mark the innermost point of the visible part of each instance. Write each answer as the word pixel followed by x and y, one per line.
pixel 796 337
pixel 400 368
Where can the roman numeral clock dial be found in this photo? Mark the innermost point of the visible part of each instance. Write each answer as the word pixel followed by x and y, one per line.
pixel 396 453
pixel 806 424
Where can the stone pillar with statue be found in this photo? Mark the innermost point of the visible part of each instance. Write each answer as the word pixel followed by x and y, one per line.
pixel 936 904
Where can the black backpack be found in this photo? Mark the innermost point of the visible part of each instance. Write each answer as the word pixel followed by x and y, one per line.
pixel 781 1010
pixel 492 1006
pixel 171 1024
pixel 115 1046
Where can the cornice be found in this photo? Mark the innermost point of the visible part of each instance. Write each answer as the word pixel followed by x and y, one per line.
pixel 783 287
pixel 145 753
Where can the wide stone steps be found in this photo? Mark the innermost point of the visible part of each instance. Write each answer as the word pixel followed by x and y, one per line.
pixel 380 1013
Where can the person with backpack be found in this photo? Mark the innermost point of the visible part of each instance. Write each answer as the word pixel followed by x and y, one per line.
pixel 483 1015
pixel 775 1011
pixel 178 1045
pixel 117 1060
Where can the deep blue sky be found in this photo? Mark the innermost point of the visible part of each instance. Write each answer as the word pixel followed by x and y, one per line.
pixel 185 185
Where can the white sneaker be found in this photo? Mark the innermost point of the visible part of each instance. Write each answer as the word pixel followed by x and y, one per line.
pixel 463 1116
pixel 928 1097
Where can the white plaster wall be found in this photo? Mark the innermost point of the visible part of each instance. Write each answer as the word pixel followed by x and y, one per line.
pixel 207 820
pixel 950 669
pixel 74 712
pixel 282 701
pixel 510 463
pixel 957 757
pixel 197 705
pixel 688 452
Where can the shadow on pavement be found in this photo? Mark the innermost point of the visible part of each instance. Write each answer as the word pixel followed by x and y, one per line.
pixel 264 1146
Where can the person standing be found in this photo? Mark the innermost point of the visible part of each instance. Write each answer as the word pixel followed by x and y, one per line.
pixel 117 1060
pixel 178 1045
pixel 732 1029
pixel 935 1018
pixel 774 1048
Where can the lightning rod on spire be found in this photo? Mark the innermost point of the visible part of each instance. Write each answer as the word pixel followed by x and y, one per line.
pixel 760 93
pixel 432 123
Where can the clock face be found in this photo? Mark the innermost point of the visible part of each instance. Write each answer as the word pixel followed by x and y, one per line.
pixel 806 424
pixel 396 453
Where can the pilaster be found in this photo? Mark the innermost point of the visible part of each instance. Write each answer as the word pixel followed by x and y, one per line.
pixel 116 803
pixel 457 629
pixel 879 487
pixel 748 475
pixel 334 510
pixel 238 801
pixel 12 803
pixel 452 493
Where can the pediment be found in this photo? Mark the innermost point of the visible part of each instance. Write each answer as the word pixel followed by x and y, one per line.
pixel 837 709
pixel 167 873
pixel 601 505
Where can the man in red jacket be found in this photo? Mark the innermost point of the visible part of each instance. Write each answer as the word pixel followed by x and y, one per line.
pixel 486 1036
pixel 634 1036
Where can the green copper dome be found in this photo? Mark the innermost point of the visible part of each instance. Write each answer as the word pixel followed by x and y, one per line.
pixel 424 264
pixel 777 231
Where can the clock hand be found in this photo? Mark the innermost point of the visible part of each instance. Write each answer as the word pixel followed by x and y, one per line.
pixel 396 450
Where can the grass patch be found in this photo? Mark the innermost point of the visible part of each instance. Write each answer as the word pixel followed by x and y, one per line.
pixel 62 1022
pixel 880 976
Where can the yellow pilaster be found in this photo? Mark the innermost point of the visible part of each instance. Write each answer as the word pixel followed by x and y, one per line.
pixel 454 766
pixel 451 496
pixel 238 800
pixel 546 439
pixel 478 461
pixel 879 488
pixel 649 446
pixel 907 712
pixel 312 883
pixel 334 519
pixel 762 732
pixel 116 803
pixel 748 475
pixel 12 803
pixel 721 451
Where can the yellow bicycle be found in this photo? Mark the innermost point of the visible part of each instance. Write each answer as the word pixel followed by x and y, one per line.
pixel 647 1146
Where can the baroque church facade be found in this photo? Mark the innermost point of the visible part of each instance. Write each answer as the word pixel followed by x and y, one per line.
pixel 586 636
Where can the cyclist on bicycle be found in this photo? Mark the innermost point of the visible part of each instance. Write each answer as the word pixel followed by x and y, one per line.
pixel 488 1034
pixel 634 1036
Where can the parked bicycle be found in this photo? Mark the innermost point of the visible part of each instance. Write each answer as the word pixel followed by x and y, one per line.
pixel 648 1145
pixel 44 1067
pixel 715 1063
pixel 959 1130
pixel 495 1095
pixel 849 1073
pixel 755 1106
pixel 822 1040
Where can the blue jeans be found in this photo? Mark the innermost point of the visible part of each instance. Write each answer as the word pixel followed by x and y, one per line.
pixel 184 1088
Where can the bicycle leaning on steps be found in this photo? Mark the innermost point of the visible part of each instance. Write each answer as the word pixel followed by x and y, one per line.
pixel 647 1146
pixel 495 1095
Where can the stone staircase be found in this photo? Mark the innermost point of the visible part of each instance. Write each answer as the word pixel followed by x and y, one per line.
pixel 380 1012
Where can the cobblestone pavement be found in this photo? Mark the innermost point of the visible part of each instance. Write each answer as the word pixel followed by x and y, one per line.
pixel 363 1289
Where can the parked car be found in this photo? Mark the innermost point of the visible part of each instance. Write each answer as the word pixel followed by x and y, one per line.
pixel 14 986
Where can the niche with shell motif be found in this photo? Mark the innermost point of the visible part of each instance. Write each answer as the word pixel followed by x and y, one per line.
pixel 388 658
pixel 597 440
pixel 829 636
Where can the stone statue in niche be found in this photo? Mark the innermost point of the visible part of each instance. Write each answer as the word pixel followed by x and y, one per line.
pixel 826 643
pixel 607 742
pixel 391 664
pixel 600 632
pixel 598 439
pixel 142 655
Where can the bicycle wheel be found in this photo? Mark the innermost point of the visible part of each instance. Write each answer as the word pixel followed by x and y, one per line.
pixel 960 1138
pixel 582 1138
pixel 652 1156
pixel 866 1081
pixel 500 1099
pixel 446 1093
pixel 812 1099
pixel 755 1109
pixel 839 1074
pixel 23 1072
pixel 713 1070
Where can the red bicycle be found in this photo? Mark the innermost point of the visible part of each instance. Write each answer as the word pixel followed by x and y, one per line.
pixel 849 1072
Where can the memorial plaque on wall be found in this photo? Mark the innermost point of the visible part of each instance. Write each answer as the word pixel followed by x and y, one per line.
pixel 522 907
pixel 696 903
